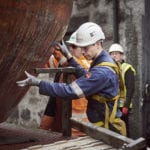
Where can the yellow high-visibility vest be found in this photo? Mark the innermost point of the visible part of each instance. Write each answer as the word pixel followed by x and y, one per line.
pixel 124 67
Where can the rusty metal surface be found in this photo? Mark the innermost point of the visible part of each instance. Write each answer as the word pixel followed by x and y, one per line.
pixel 27 28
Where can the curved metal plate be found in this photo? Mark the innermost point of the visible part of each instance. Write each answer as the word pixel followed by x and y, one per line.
pixel 27 29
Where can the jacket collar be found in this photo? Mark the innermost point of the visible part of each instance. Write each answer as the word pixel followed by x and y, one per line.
pixel 102 57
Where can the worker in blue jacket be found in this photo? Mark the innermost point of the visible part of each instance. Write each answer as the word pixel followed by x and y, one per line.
pixel 100 85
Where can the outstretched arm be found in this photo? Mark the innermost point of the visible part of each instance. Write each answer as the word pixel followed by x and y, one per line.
pixel 29 81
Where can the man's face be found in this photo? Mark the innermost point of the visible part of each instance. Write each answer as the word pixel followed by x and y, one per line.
pixel 117 56
pixel 75 50
pixel 90 52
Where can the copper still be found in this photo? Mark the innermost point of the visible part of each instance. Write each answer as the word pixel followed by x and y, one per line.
pixel 27 30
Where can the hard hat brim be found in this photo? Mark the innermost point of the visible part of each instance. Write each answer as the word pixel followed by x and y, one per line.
pixel 70 42
pixel 87 43
pixel 84 44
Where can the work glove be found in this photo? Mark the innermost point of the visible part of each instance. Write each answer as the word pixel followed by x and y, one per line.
pixel 64 50
pixel 125 111
pixel 60 58
pixel 30 81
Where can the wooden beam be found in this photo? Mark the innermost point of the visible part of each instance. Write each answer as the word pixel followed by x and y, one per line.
pixel 67 110
pixel 138 144
pixel 109 137
pixel 55 70
pixel 67 104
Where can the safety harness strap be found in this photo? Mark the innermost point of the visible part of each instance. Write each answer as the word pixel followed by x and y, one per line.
pixel 117 68
pixel 116 122
pixel 102 99
pixel 99 124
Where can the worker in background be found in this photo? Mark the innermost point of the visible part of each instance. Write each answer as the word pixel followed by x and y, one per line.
pixel 101 84
pixel 128 72
pixel 47 121
pixel 78 106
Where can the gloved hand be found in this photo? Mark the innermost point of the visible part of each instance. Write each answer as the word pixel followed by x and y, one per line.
pixel 60 58
pixel 64 50
pixel 30 81
pixel 125 111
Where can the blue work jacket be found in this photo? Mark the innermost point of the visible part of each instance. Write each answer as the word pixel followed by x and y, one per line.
pixel 98 80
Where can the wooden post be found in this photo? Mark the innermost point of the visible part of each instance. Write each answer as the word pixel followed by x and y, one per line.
pixel 67 103
pixel 67 110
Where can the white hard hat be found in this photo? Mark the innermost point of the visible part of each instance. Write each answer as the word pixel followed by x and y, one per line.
pixel 116 48
pixel 89 33
pixel 72 39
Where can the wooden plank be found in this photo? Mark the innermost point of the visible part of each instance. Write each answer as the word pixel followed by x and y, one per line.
pixel 55 70
pixel 84 143
pixel 136 145
pixel 103 134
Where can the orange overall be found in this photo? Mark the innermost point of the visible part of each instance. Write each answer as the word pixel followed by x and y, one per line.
pixel 78 106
